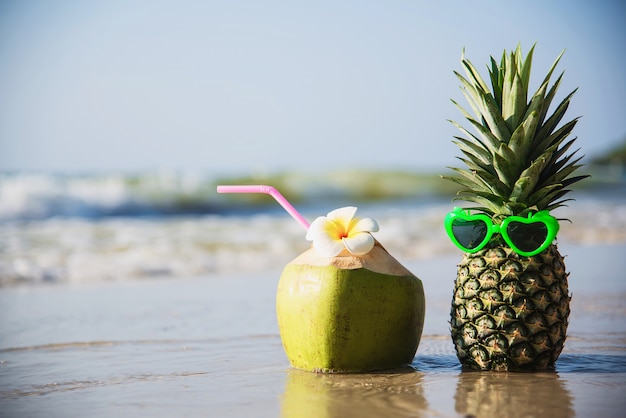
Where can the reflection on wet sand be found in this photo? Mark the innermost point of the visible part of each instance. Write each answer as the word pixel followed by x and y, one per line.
pixel 487 394
pixel 361 395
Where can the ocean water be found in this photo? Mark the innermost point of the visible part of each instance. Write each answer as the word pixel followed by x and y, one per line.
pixel 209 346
pixel 155 296
pixel 109 228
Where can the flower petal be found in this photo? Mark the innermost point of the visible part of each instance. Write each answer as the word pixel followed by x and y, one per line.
pixel 340 229
pixel 327 246
pixel 366 225
pixel 360 243
pixel 323 232
pixel 343 215
pixel 317 228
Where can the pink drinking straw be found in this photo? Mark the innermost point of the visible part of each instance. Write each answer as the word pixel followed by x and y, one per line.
pixel 270 191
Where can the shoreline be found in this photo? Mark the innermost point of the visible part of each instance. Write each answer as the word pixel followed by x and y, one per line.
pixel 210 345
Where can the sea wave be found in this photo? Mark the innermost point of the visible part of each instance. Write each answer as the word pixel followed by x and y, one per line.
pixel 28 196
pixel 62 229
pixel 127 248
pixel 113 249
pixel 36 196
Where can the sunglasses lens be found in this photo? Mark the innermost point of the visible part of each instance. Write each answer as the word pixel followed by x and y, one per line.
pixel 470 234
pixel 527 237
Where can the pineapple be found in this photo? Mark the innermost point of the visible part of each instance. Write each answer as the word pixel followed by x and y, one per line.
pixel 510 311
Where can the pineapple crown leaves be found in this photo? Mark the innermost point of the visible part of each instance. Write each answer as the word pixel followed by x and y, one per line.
pixel 517 161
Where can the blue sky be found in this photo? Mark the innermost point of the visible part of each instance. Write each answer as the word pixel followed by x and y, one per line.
pixel 258 86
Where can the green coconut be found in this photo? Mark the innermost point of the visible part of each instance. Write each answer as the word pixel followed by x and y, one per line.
pixel 349 313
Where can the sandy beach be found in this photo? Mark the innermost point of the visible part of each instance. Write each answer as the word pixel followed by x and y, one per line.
pixel 162 162
pixel 209 346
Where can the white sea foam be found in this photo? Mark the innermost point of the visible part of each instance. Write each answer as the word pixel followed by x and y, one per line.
pixel 58 228
pixel 126 248
pixel 39 196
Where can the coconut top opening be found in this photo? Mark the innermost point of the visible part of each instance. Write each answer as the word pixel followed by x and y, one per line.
pixel 377 260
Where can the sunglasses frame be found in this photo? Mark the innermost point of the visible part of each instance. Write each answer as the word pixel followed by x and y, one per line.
pixel 551 223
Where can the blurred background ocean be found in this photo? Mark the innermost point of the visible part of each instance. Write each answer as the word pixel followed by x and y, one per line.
pixel 58 228
pixel 118 119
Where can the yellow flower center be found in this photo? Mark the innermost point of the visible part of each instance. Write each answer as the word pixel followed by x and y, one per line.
pixel 340 229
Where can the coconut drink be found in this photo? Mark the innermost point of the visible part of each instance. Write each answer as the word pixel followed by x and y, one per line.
pixel 511 304
pixel 345 305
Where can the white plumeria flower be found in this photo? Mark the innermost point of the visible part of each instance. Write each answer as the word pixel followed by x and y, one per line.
pixel 340 229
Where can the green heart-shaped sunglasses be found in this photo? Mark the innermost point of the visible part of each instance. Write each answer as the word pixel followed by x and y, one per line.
pixel 526 236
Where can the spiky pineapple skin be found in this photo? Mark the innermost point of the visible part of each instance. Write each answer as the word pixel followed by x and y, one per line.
pixel 509 312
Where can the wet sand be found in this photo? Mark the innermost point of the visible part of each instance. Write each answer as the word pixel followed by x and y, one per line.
pixel 209 346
